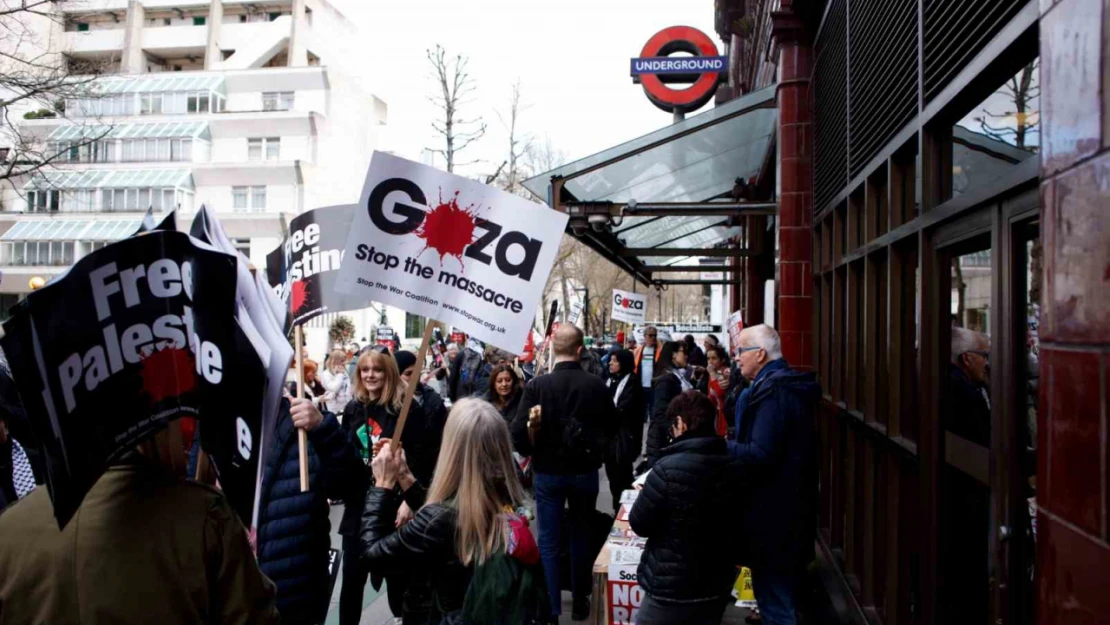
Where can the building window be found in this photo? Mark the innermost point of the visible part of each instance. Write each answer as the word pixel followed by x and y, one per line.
pixel 30 253
pixel 274 16
pixel 198 21
pixel 119 200
pixel 243 246
pixel 277 101
pixel 248 198
pixel 138 150
pixel 414 326
pixel 82 27
pixel 267 148
pixel 151 104
pixel 43 201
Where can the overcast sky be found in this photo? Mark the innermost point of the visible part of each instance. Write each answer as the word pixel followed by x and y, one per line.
pixel 572 58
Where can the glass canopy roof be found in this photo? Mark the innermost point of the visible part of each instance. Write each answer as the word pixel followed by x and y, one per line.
pixel 112 179
pixel 192 129
pixel 696 160
pixel 70 230
pixel 153 84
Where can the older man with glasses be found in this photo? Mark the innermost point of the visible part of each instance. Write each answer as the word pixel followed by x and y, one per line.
pixel 773 445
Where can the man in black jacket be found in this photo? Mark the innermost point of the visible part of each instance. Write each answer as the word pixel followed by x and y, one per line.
pixel 567 446
pixel 688 568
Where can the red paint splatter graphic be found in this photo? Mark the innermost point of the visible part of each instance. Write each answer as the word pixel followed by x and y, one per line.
pixel 300 295
pixel 168 373
pixel 448 229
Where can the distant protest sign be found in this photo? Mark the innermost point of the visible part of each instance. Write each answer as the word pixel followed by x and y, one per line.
pixel 134 335
pixel 629 307
pixel 734 324
pixel 304 268
pixel 450 249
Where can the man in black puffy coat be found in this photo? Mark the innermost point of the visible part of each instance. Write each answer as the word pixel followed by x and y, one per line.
pixel 294 533
pixel 688 568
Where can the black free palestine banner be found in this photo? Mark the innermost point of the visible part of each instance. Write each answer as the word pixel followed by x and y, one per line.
pixel 451 249
pixel 134 335
pixel 304 268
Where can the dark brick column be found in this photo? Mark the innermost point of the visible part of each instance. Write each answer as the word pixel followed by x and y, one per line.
pixel 795 221
pixel 1073 483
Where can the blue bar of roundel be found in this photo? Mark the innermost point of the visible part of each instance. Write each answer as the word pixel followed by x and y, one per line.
pixel 679 65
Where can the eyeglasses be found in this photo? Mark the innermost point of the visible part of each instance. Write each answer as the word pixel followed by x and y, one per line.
pixel 741 350
pixel 986 355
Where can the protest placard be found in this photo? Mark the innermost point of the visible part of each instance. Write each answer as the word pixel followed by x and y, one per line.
pixel 629 307
pixel 134 335
pixel 450 249
pixel 625 594
pixel 734 324
pixel 303 269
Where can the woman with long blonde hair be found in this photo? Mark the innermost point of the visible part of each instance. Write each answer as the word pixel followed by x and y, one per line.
pixel 337 384
pixel 478 556
pixel 369 420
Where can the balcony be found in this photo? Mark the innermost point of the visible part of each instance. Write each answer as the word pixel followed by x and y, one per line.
pixel 175 41
pixel 93 43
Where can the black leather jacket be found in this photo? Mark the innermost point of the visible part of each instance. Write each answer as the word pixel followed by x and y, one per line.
pixel 425 545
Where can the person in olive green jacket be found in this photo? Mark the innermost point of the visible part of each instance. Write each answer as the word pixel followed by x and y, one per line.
pixel 144 547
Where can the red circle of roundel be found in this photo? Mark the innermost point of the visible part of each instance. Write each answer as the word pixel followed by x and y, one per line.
pixel 701 88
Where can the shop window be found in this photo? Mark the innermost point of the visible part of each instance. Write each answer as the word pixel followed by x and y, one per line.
pixel 198 21
pixel 82 27
pixel 998 133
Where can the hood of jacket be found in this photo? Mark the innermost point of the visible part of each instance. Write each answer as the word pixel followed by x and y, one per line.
pixel 804 384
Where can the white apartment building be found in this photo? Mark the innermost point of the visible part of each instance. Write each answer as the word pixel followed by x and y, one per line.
pixel 255 108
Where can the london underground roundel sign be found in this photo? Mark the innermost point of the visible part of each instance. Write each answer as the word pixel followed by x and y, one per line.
pixel 656 69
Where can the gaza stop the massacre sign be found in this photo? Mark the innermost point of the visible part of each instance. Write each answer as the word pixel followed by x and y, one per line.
pixel 629 307
pixel 451 249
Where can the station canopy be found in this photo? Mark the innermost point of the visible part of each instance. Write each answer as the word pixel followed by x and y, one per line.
pixel 659 200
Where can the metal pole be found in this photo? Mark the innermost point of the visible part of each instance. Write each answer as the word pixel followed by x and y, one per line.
pixel 679 116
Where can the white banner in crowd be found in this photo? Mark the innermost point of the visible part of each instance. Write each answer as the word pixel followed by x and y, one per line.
pixel 629 307
pixel 735 324
pixel 450 248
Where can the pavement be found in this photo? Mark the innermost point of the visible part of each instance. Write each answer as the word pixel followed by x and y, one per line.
pixel 376 608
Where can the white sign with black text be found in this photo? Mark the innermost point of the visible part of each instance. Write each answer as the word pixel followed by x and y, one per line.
pixel 629 307
pixel 451 249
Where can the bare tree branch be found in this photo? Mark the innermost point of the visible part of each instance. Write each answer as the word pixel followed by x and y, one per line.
pixel 454 84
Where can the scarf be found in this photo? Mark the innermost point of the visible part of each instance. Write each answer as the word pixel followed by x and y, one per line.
pixel 620 388
pixel 681 375
pixel 22 477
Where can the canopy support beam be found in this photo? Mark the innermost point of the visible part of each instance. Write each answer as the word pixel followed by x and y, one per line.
pixel 685 251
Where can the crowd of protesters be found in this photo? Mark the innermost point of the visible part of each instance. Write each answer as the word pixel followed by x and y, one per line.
pixel 726 440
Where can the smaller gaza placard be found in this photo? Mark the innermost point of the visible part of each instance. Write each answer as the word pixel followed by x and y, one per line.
pixel 629 307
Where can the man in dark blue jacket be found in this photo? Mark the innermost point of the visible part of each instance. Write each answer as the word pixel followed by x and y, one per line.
pixel 774 445
pixel 294 533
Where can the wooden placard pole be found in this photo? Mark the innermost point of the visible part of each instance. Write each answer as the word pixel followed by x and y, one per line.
pixel 410 390
pixel 302 436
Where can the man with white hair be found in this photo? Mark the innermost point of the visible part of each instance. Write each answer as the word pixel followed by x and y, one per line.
pixel 774 446
pixel 966 413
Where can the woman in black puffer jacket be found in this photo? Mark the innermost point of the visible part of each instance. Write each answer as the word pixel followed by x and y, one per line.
pixel 481 562
pixel 687 570
pixel 670 380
